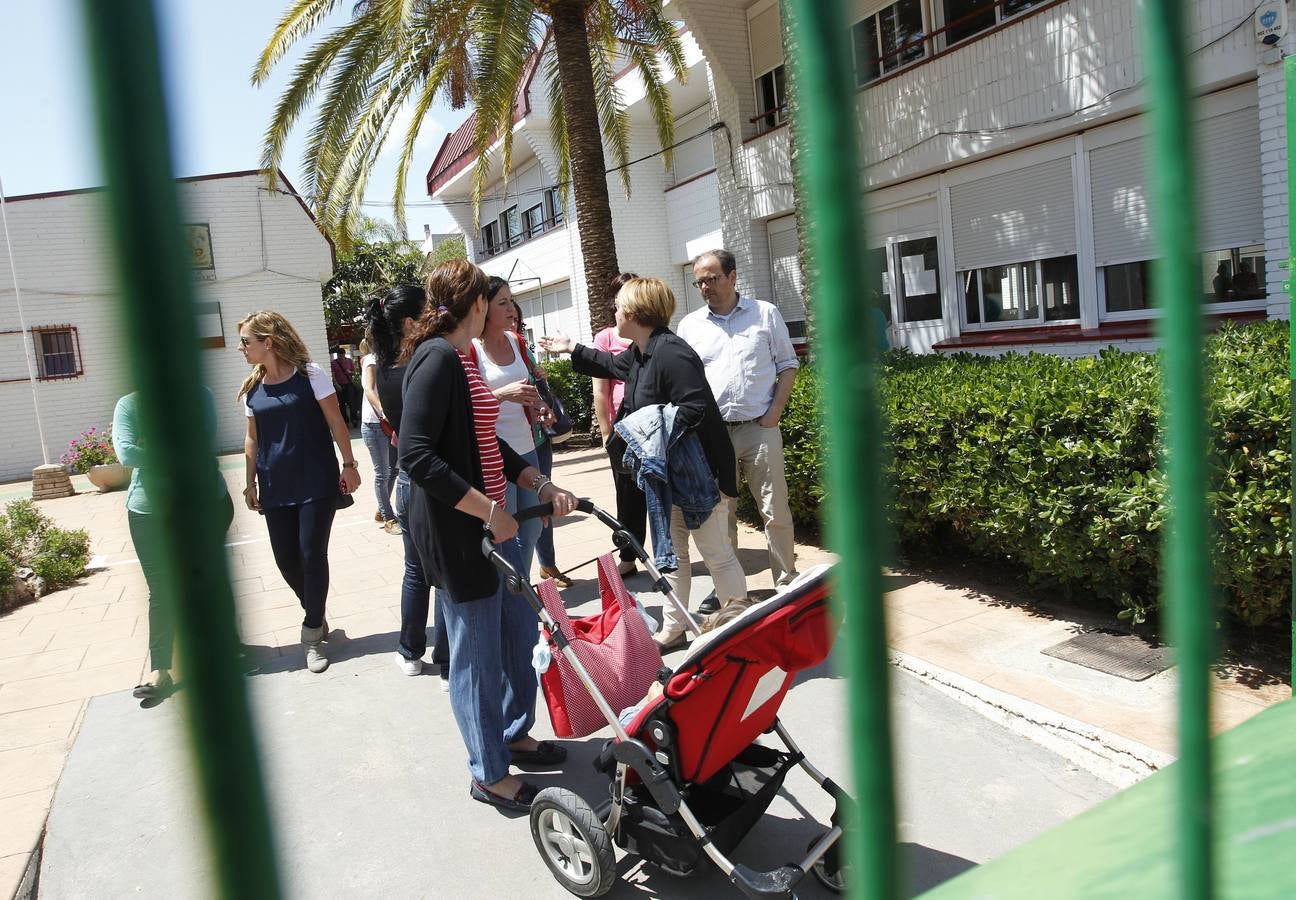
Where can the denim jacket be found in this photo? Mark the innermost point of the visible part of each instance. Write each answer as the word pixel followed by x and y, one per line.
pixel 670 467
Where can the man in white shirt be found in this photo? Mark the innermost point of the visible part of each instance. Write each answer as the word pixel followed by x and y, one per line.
pixel 751 367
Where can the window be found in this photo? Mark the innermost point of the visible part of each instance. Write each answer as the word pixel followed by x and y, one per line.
pixel 1037 291
pixel 58 352
pixel 770 97
pixel 533 220
pixel 490 238
pixel 880 295
pixel 1227 276
pixel 510 227
pixel 967 17
pixel 555 206
pixel 917 280
pixel 888 40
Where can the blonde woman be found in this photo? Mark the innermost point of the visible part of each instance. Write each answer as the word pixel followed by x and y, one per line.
pixel 292 474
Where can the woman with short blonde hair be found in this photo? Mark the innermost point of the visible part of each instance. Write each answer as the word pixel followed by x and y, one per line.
pixel 292 474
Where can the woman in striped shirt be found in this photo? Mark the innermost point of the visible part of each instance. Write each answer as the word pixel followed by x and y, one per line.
pixel 459 470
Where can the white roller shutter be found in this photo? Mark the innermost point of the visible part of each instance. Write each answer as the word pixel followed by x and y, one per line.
pixel 1229 203
pixel 786 271
pixel 1122 219
pixel 1228 185
pixel 766 38
pixel 1014 217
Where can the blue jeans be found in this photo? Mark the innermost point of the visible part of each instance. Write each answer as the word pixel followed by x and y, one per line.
pixel 528 532
pixel 383 455
pixel 414 595
pixel 492 684
pixel 545 544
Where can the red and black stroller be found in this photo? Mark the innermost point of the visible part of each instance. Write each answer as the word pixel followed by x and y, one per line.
pixel 689 778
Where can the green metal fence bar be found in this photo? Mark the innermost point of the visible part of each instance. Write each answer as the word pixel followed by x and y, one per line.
pixel 1289 80
pixel 1186 595
pixel 160 331
pixel 826 135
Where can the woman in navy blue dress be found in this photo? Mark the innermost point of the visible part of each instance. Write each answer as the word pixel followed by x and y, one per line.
pixel 292 473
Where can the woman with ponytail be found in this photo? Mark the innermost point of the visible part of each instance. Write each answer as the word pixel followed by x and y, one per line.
pixel 292 474
pixel 458 469
pixel 389 319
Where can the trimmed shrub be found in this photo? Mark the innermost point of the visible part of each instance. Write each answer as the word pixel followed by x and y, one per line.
pixel 576 392
pixel 29 539
pixel 62 557
pixel 1050 465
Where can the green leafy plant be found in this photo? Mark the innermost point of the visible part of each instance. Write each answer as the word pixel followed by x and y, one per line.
pixel 28 539
pixel 576 392
pixel 90 448
pixel 62 557
pixel 1050 466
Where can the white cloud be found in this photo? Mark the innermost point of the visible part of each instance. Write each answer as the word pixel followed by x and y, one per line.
pixel 429 138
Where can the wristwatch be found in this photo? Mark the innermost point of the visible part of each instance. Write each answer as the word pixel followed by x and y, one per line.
pixel 351 465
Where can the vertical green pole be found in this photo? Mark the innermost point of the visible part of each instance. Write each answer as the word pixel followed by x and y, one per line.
pixel 161 337
pixel 1186 593
pixel 826 134
pixel 1289 79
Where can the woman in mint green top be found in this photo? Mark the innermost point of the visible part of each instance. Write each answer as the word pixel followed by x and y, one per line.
pixel 126 442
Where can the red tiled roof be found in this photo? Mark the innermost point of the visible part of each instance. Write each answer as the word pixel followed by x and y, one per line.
pixel 456 151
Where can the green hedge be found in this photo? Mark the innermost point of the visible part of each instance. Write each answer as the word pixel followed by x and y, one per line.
pixel 28 538
pixel 1049 465
pixel 574 390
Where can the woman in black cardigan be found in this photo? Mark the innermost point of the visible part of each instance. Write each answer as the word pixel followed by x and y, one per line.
pixel 458 466
pixel 659 367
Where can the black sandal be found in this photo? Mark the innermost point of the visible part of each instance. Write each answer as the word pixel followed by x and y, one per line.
pixel 519 802
pixel 546 753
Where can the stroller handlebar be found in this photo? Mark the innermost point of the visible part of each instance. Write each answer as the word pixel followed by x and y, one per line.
pixel 540 510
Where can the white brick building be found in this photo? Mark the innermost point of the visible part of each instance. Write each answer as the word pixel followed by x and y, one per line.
pixel 1003 145
pixel 1004 152
pixel 254 249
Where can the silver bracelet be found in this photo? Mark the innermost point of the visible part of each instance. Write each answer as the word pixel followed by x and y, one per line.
pixel 540 482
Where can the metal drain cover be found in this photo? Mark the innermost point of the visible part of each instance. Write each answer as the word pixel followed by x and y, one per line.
pixel 1117 653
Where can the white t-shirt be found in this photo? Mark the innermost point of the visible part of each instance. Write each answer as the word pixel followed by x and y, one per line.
pixel 321 383
pixel 368 415
pixel 512 425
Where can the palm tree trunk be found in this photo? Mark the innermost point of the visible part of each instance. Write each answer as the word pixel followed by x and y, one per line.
pixel 589 171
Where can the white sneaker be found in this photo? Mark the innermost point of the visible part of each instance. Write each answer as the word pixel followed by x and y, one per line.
pixel 445 685
pixel 409 666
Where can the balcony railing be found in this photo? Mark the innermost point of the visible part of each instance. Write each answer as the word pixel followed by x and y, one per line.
pixel 503 245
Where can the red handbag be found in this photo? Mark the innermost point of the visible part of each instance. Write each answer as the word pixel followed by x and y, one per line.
pixel 615 647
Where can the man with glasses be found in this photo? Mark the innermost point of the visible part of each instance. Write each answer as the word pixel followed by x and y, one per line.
pixel 751 367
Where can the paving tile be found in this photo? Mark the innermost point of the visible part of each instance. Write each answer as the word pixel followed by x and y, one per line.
pixel 31 768
pixel 938 604
pixel 106 653
pixel 261 621
pixel 127 608
pixel 12 625
pixel 35 664
pixel 94 596
pixel 79 616
pixel 28 728
pixel 21 820
pixel 954 647
pixel 11 872
pixel 25 644
pixel 901 624
pixel 82 635
pixel 48 690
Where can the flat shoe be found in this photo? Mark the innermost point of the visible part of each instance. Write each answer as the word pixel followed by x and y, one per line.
pixel 149 690
pixel 556 575
pixel 519 802
pixel 627 568
pixel 546 753
pixel 679 642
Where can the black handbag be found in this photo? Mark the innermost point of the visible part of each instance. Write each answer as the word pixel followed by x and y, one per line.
pixel 561 429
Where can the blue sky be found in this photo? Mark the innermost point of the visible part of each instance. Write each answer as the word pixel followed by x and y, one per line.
pixel 218 118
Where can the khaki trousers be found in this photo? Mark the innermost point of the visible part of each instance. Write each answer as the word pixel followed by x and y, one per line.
pixel 760 461
pixel 717 552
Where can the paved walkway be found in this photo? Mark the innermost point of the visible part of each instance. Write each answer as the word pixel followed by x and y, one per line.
pixel 91 639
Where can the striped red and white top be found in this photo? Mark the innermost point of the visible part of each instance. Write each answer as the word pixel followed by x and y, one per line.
pixel 486 410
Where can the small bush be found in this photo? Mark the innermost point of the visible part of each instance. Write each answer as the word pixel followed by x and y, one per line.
pixel 62 557
pixel 28 539
pixel 1050 465
pixel 576 392
pixel 90 448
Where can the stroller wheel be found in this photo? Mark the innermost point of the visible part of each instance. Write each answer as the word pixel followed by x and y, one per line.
pixel 573 842
pixel 830 870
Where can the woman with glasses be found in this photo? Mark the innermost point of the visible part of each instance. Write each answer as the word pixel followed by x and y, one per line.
pixel 292 474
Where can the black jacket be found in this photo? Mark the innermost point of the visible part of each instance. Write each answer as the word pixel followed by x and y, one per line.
pixel 438 450
pixel 670 372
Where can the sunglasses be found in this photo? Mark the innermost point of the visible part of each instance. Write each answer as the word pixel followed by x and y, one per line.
pixel 244 341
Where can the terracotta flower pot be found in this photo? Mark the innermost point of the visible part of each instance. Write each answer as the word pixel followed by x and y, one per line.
pixel 112 477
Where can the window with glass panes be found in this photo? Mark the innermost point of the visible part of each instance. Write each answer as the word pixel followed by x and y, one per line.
pixel 770 96
pixel 533 220
pixel 888 39
pixel 965 18
pixel 1233 275
pixel 555 205
pixel 510 226
pixel 1036 291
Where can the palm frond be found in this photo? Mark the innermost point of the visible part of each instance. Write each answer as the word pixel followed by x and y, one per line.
pixel 301 18
pixel 613 115
pixel 657 96
pixel 305 81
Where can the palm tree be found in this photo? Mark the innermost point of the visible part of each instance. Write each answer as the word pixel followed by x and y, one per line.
pixel 397 52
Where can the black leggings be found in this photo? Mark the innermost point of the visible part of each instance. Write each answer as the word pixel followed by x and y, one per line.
pixel 299 537
pixel 632 510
